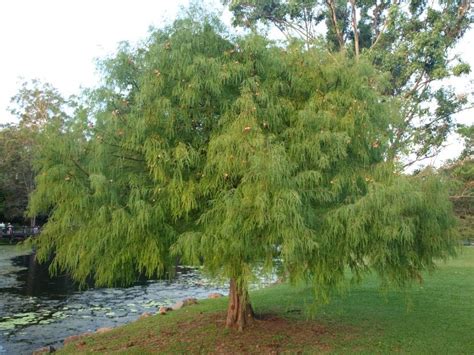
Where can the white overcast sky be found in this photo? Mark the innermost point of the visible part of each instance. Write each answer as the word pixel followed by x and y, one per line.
pixel 57 41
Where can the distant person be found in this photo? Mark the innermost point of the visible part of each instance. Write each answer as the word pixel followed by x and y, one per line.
pixel 10 229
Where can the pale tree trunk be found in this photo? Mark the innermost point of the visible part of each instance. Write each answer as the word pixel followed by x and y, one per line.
pixel 355 29
pixel 340 36
pixel 239 310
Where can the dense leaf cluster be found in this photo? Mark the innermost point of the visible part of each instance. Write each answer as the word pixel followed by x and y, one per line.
pixel 412 41
pixel 34 105
pixel 233 154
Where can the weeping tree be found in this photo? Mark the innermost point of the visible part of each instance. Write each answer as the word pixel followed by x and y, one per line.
pixel 236 154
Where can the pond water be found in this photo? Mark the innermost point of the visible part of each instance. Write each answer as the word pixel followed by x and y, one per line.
pixel 36 310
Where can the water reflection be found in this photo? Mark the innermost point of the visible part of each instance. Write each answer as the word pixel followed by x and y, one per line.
pixel 36 310
pixel 34 279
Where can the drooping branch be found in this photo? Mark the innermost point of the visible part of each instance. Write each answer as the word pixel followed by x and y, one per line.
pixel 128 158
pixel 81 169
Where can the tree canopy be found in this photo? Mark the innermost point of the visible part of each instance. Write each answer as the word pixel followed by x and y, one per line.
pixel 16 172
pixel 34 105
pixel 460 173
pixel 411 41
pixel 236 154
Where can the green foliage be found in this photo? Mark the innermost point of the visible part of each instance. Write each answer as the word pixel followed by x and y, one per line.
pixel 16 173
pixel 461 68
pixel 411 41
pixel 35 105
pixel 2 199
pixel 467 135
pixel 460 174
pixel 235 154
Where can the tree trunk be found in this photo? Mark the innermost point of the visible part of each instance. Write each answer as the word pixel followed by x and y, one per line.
pixel 239 310
pixel 355 29
pixel 340 36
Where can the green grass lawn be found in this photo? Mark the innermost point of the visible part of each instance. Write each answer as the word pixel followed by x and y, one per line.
pixel 436 317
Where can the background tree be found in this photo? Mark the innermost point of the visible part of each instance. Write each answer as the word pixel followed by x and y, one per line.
pixel 34 105
pixel 411 41
pixel 466 132
pixel 232 154
pixel 17 173
pixel 37 103
pixel 460 172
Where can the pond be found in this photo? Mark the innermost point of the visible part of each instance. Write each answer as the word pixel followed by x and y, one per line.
pixel 36 310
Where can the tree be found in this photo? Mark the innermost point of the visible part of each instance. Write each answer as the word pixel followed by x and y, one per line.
pixel 460 173
pixel 467 135
pixel 236 154
pixel 411 41
pixel 37 103
pixel 17 176
pixel 2 198
pixel 34 105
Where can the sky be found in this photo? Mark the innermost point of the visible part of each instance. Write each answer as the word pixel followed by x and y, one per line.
pixel 58 41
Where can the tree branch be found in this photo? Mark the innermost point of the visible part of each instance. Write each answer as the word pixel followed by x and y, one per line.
pixel 420 158
pixel 128 158
pixel 384 27
pixel 340 38
pixel 80 167
pixel 281 23
pixel 417 85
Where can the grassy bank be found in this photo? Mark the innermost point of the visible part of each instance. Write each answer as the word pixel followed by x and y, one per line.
pixel 436 317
